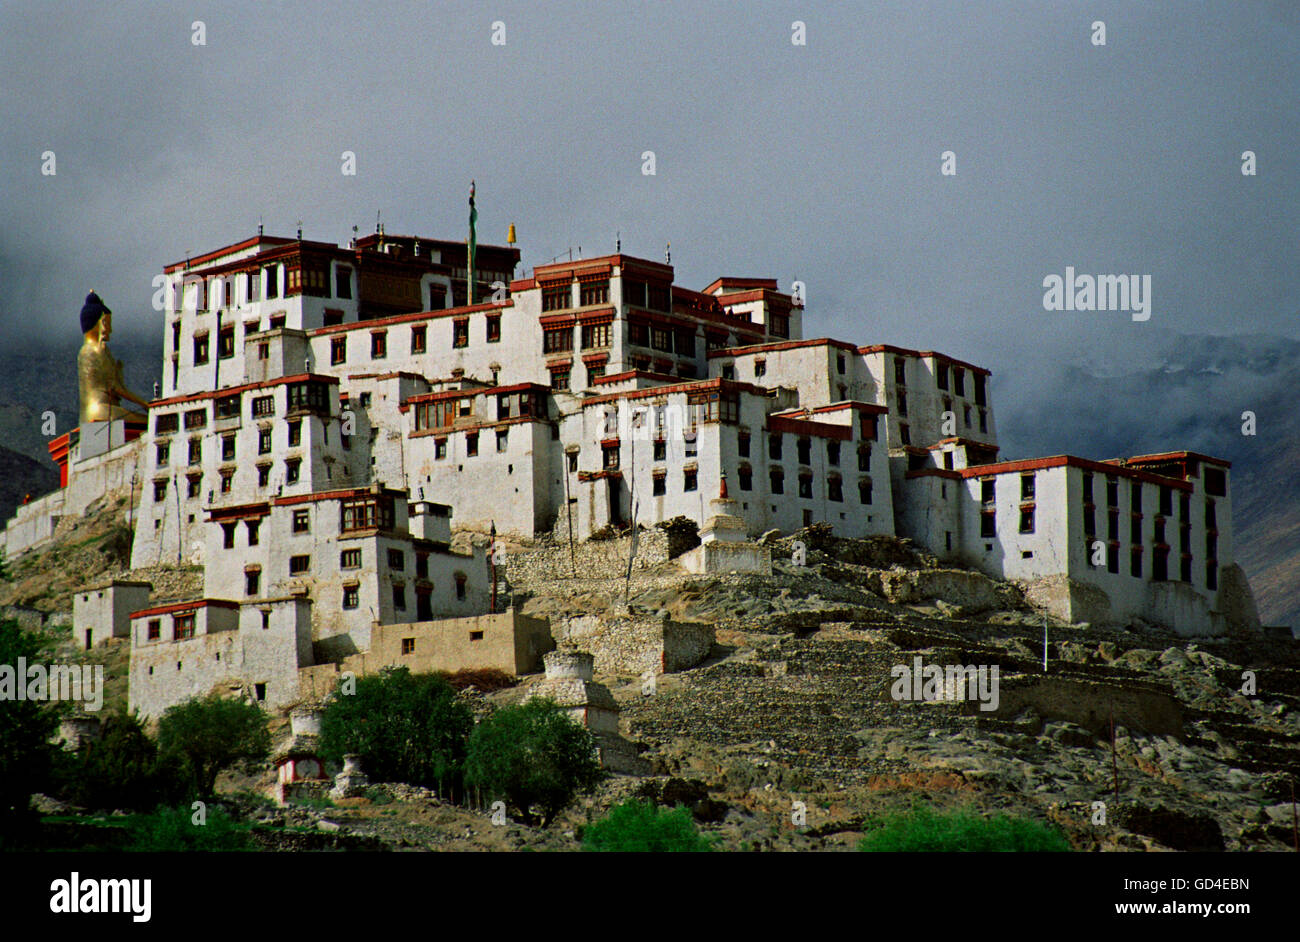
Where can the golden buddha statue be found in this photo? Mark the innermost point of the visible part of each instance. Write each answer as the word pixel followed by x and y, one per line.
pixel 98 373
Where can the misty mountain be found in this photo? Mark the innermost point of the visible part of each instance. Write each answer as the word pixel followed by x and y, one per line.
pixel 20 476
pixel 1151 391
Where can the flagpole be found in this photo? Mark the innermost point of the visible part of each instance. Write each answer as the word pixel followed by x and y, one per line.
pixel 472 248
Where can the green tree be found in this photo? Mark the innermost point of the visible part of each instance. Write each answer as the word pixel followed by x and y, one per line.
pixel 637 826
pixel 532 754
pixel 121 769
pixel 923 829
pixel 26 726
pixel 211 734
pixel 405 727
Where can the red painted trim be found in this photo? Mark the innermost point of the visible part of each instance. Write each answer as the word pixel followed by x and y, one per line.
pixel 1176 456
pixel 782 302
pixel 854 404
pixel 741 284
pixel 341 494
pixel 225 250
pixel 625 263
pixel 793 426
pixel 407 318
pixel 1058 461
pixel 565 272
pixel 471 393
pixel 477 426
pixel 238 512
pixel 620 377
pixel 934 473
pixel 222 393
pixel 396 374
pixel 957 440
pixel 692 386
pixel 890 348
pixel 59 449
pixel 186 607
pixel 674 319
pixel 781 345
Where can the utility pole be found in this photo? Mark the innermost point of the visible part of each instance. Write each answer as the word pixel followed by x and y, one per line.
pixel 492 566
pixel 568 512
pixel 176 488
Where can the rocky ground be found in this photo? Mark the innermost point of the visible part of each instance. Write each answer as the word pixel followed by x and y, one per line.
pixel 793 711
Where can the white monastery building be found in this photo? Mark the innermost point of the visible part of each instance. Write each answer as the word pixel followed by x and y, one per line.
pixel 328 414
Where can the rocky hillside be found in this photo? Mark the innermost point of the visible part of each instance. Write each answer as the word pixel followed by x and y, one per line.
pixel 794 704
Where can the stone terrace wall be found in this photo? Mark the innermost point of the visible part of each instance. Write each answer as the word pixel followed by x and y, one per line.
pixel 1090 703
pixel 634 644
pixel 595 559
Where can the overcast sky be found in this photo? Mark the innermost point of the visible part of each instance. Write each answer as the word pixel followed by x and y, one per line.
pixel 818 162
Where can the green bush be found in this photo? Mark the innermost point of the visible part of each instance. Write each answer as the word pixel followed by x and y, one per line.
pixel 210 734
pixel 637 826
pixel 923 829
pixel 173 829
pixel 26 726
pixel 405 727
pixel 532 754
pixel 121 769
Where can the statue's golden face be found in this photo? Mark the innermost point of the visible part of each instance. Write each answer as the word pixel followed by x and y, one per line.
pixel 105 326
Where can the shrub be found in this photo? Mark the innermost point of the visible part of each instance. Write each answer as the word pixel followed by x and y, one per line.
pixel 405 727
pixel 637 826
pixel 121 769
pixel 923 829
pixel 532 754
pixel 211 734
pixel 26 726
pixel 683 534
pixel 174 829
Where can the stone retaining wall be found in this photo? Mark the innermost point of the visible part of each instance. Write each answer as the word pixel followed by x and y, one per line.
pixel 634 644
pixel 591 559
